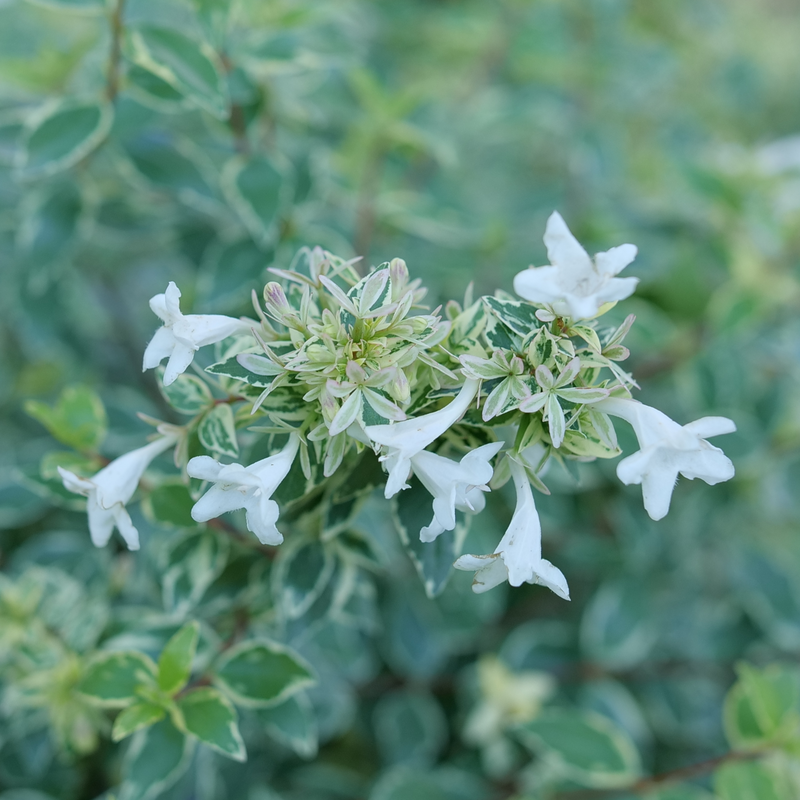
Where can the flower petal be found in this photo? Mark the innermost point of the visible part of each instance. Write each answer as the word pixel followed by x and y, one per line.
pixel 563 249
pixel 613 261
pixel 160 347
pixel 126 527
pixel 204 468
pixel 706 427
pixel 101 522
pixel 181 357
pixel 218 500
pixel 551 577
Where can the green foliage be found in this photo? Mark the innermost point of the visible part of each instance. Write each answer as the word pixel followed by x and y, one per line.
pixel 588 748
pixel 217 431
pixel 763 708
pixel 114 679
pixel 78 419
pixel 260 674
pixel 136 717
pixel 209 715
pixel 206 142
pixel 175 661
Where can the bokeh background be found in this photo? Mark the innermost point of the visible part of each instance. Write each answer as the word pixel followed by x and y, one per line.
pixel 444 132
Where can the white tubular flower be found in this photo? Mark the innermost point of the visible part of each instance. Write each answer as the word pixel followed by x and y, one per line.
pixel 403 440
pixel 109 490
pixel 454 485
pixel 182 335
pixel 249 487
pixel 574 285
pixel 668 449
pixel 518 556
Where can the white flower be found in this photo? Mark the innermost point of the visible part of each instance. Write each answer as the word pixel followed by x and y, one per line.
pixel 574 285
pixel 249 487
pixel 454 485
pixel 403 440
pixel 181 335
pixel 110 489
pixel 518 556
pixel 668 449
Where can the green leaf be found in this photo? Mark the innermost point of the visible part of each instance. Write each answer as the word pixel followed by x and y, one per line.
pixel 194 563
pixel 49 226
pixel 752 780
pixel 410 727
pixel 74 6
pixel 210 717
pixel 293 724
pixel 61 134
pixel 518 316
pixel 412 510
pixel 763 706
pixel 583 746
pixel 682 792
pixel 407 784
pixel 616 630
pixel 153 91
pixel 256 189
pixel 187 394
pixel 134 718
pixel 171 503
pixel 111 679
pixel 155 761
pixel 78 418
pixel 262 673
pixel 175 661
pixel 168 165
pixel 769 592
pixel 233 369
pixel 217 431
pixel 499 336
pixel 20 505
pixel 188 65
pixel 303 570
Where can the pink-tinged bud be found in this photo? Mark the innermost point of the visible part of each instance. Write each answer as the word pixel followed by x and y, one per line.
pixel 275 298
pixel 355 372
pixel 398 272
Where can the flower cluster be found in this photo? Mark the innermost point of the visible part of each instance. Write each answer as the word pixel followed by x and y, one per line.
pixel 336 365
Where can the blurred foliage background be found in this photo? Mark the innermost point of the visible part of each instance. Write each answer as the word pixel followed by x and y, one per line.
pixel 147 141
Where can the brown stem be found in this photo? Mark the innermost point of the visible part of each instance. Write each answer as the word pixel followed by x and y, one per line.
pixel 115 54
pixel 236 118
pixel 650 784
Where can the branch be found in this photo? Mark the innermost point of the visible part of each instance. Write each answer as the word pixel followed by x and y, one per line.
pixel 115 54
pixel 236 118
pixel 654 782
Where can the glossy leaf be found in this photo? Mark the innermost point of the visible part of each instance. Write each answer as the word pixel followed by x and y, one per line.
pixel 188 65
pixel 78 418
pixel 156 759
pixel 134 718
pixel 585 747
pixel 187 394
pixel 261 673
pixel 217 431
pixel 111 679
pixel 293 724
pixel 210 717
pixel 256 189
pixel 175 661
pixel 61 134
